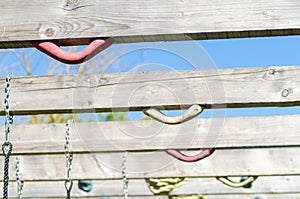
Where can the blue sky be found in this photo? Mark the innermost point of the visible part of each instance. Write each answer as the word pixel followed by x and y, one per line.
pixel 190 55
pixel 255 52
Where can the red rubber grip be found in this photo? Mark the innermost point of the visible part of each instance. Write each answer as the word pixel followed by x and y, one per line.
pixel 54 51
pixel 180 156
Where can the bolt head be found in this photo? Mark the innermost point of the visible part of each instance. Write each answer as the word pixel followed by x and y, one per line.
pixel 285 93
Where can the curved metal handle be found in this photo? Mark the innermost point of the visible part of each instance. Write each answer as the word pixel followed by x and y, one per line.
pixel 54 51
pixel 228 182
pixel 180 156
pixel 192 112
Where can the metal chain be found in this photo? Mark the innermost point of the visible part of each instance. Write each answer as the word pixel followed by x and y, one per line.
pixel 124 175
pixel 7 145
pixel 6 148
pixel 69 158
pixel 8 117
pixel 19 182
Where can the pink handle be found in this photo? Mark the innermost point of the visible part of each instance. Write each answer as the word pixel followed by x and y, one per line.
pixel 54 51
pixel 180 156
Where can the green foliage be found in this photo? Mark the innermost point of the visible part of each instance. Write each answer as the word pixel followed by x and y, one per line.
pixel 63 118
pixel 113 117
pixel 52 118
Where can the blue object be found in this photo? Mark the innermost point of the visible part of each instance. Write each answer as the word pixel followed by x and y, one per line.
pixel 258 197
pixel 248 186
pixel 85 185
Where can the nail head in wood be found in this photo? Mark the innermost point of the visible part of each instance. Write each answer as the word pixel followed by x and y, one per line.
pixel 285 93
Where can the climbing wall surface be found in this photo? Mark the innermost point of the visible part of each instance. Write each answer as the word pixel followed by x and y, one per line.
pixel 241 157
pixel 78 22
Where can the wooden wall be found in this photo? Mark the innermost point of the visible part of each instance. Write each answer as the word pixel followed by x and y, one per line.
pixel 266 146
pixel 141 20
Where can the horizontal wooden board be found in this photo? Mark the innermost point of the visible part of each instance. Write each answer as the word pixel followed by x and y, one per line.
pixel 111 197
pixel 248 196
pixel 202 186
pixel 134 20
pixel 244 196
pixel 266 162
pixel 251 196
pixel 220 133
pixel 134 91
pixel 262 185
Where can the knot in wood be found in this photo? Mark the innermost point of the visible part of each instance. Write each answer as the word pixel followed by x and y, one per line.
pixel 49 32
pixel 71 5
pixel 72 2
pixel 272 71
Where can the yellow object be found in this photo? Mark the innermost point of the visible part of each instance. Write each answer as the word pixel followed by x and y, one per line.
pixel 163 186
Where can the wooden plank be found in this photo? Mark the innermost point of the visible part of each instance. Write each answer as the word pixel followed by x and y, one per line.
pixel 166 20
pixel 220 133
pixel 110 197
pixel 244 196
pixel 251 196
pixel 262 185
pixel 204 186
pixel 265 162
pixel 245 87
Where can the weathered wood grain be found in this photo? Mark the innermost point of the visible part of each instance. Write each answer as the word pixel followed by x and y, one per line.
pixel 220 133
pixel 202 186
pixel 135 20
pixel 243 196
pixel 265 162
pixel 247 87
pixel 111 197
pixel 262 185
pixel 251 196
pixel 236 196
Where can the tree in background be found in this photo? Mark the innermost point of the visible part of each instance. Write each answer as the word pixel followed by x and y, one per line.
pixel 27 62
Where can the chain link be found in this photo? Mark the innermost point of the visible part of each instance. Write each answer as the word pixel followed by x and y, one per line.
pixel 124 175
pixel 7 146
pixel 69 158
pixel 19 182
pixel 8 117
